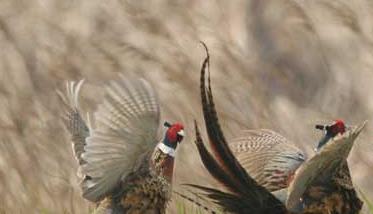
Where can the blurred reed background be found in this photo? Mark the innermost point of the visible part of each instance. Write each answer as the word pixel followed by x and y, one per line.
pixel 278 64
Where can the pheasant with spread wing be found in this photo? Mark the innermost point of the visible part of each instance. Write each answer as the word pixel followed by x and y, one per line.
pixel 261 161
pixel 124 167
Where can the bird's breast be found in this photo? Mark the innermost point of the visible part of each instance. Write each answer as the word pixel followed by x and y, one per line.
pixel 163 164
pixel 146 194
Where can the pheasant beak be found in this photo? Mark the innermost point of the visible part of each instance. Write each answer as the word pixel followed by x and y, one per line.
pixel 348 127
pixel 180 135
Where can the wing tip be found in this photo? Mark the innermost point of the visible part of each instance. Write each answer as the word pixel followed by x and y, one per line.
pixel 71 97
pixel 361 126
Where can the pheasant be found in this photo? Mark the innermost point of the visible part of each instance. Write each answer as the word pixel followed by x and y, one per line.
pixel 123 166
pixel 263 172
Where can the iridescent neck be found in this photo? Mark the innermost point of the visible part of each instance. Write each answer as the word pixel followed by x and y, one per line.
pixel 163 160
pixel 167 142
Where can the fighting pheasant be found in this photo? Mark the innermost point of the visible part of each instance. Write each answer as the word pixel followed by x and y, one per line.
pixel 124 166
pixel 261 161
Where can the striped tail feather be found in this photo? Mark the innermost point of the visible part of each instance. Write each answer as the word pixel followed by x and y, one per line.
pixel 213 166
pixel 219 146
pixel 196 201
pixel 246 196
pixel 227 201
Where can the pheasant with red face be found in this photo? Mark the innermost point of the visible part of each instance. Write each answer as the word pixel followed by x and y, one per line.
pixel 263 172
pixel 338 127
pixel 330 188
pixel 124 167
pixel 271 159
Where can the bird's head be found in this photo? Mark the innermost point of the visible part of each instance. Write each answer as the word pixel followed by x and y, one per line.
pixel 174 134
pixel 332 130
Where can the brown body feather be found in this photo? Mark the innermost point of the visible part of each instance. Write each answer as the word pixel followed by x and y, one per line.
pixel 335 195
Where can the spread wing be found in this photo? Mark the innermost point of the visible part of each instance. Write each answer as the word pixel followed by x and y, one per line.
pixel 127 122
pixel 73 120
pixel 268 157
pixel 322 164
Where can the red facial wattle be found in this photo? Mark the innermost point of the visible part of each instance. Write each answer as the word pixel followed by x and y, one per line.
pixel 337 128
pixel 175 133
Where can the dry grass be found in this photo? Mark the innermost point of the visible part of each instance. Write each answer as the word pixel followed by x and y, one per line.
pixel 278 64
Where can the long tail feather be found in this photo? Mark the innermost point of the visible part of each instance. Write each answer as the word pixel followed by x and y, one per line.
pixel 213 167
pixel 235 204
pixel 195 202
pixel 246 195
pixel 218 143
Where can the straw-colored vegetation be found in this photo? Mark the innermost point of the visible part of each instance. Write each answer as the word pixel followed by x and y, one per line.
pixel 279 64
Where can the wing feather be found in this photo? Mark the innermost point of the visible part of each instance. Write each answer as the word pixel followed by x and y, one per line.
pixel 268 157
pixel 323 163
pixel 127 123
pixel 73 120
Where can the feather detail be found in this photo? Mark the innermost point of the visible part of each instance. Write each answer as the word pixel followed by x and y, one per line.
pixel 213 167
pixel 222 152
pixel 268 157
pixel 73 120
pixel 127 123
pixel 247 195
pixel 196 202
pixel 235 204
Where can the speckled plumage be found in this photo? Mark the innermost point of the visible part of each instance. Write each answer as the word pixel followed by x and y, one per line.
pixel 121 168
pixel 145 190
pixel 336 195
pixel 272 161
pixel 268 157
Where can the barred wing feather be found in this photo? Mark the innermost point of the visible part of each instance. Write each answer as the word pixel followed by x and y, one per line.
pixel 73 120
pixel 127 123
pixel 268 157
pixel 322 165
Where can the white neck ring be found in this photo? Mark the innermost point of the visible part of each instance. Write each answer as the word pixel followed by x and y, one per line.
pixel 166 149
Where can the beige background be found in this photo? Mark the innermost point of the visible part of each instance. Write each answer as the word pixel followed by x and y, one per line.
pixel 277 64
